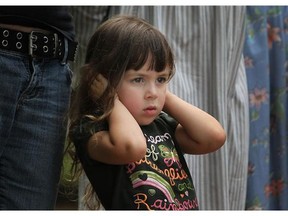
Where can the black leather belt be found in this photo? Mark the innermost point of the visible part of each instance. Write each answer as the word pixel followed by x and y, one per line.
pixel 38 44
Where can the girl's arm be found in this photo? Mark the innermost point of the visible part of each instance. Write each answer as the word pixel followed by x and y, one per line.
pixel 123 143
pixel 197 131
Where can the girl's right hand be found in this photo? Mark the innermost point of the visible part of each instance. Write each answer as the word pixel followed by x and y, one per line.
pixel 98 86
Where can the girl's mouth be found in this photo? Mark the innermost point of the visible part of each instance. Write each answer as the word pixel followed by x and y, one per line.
pixel 151 110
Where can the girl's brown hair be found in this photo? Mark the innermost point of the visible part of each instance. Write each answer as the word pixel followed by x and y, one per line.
pixel 119 44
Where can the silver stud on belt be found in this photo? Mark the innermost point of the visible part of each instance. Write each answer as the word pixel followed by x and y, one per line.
pixel 5 34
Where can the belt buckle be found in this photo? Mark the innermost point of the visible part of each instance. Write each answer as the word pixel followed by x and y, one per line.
pixel 33 37
pixel 32 46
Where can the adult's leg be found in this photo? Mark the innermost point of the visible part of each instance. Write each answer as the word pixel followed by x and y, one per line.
pixel 33 104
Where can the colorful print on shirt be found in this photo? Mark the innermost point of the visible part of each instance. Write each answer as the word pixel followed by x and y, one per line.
pixel 160 180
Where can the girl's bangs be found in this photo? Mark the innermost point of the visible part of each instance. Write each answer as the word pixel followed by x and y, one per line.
pixel 152 46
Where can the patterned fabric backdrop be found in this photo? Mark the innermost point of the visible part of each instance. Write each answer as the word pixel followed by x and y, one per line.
pixel 266 55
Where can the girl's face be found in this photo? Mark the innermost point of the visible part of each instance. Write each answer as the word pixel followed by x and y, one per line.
pixel 143 93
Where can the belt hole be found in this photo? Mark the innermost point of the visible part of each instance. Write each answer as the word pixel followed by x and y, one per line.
pixel 4 43
pixel 45 49
pixel 18 45
pixel 5 33
pixel 45 39
pixel 19 35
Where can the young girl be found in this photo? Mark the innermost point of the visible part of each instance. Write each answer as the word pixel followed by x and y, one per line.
pixel 129 131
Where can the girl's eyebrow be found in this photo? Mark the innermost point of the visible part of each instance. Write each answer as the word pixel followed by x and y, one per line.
pixel 146 73
pixel 165 72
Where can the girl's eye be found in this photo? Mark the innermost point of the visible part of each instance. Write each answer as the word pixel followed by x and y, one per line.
pixel 138 80
pixel 162 79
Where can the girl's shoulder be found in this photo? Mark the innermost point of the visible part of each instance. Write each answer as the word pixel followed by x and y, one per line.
pixel 86 127
pixel 164 118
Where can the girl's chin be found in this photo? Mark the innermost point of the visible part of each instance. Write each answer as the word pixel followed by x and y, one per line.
pixel 146 121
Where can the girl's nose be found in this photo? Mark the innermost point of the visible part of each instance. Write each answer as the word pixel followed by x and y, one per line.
pixel 151 91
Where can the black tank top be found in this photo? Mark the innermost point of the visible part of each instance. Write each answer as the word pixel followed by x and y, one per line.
pixel 55 18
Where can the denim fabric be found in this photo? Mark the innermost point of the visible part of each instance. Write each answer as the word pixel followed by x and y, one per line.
pixel 34 97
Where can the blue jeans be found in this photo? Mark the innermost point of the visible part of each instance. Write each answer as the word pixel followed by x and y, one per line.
pixel 34 97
